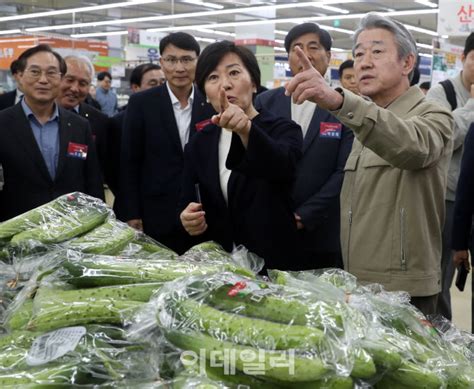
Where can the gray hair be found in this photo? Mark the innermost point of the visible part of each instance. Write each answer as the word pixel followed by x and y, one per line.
pixel 405 42
pixel 85 60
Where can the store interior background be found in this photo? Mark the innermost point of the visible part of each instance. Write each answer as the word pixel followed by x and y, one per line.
pixel 117 35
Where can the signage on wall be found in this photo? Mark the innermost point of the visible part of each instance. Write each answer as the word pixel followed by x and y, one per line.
pixel 455 17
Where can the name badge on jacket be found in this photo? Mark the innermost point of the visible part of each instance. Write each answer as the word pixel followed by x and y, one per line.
pixel 77 150
pixel 330 130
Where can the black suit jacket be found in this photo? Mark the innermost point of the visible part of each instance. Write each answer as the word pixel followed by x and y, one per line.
pixel 464 204
pixel 152 161
pixel 7 100
pixel 100 124
pixel 28 183
pixel 318 181
pixel 259 214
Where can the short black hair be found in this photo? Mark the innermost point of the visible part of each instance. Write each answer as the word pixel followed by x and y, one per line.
pixel 14 67
pixel 213 54
pixel 425 85
pixel 469 45
pixel 102 75
pixel 181 40
pixel 307 28
pixel 137 74
pixel 348 64
pixel 23 58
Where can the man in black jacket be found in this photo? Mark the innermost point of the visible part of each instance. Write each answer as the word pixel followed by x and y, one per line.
pixel 72 94
pixel 11 98
pixel 326 146
pixel 158 124
pixel 45 151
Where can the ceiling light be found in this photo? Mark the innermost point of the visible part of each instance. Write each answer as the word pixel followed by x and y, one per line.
pixel 338 49
pixel 223 33
pixel 75 10
pixel 427 3
pixel 279 49
pixel 445 36
pixel 229 11
pixel 422 30
pixel 97 34
pixel 204 4
pixel 5 32
pixel 330 8
pixel 425 46
pixel 426 55
pixel 281 32
pixel 209 40
pixel 330 28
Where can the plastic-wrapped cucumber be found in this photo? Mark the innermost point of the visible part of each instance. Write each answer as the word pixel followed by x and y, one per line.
pixel 19 317
pixel 103 271
pixel 244 330
pixel 63 229
pixel 38 377
pixel 305 369
pixel 109 238
pixel 136 292
pixel 410 375
pixel 110 312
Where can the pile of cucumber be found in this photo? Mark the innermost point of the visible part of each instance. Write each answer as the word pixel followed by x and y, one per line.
pixel 236 329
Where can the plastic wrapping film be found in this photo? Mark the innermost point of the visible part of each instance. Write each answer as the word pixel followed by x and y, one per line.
pixel 26 237
pixel 143 246
pixel 80 355
pixel 276 335
pixel 425 356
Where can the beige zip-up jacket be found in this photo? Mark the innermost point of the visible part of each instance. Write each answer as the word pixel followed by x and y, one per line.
pixel 392 199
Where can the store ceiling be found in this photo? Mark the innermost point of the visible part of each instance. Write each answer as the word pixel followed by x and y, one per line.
pixel 342 40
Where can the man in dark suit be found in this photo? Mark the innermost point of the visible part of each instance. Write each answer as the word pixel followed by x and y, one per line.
pixel 143 77
pixel 72 94
pixel 326 146
pixel 45 151
pixel 158 124
pixel 11 98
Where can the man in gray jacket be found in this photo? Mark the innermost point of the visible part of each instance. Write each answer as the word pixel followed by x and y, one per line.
pixel 462 107
pixel 392 199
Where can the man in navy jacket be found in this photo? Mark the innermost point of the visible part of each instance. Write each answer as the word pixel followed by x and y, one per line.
pixel 158 124
pixel 326 146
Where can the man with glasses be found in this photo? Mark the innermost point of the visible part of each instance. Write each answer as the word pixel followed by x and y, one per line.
pixel 73 91
pixel 45 150
pixel 158 124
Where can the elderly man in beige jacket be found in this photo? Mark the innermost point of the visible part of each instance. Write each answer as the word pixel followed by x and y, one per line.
pixel 392 200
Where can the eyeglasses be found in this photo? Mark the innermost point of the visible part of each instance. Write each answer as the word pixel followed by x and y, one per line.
pixel 35 73
pixel 173 61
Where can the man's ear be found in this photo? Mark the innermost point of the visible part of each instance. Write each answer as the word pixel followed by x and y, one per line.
pixel 409 64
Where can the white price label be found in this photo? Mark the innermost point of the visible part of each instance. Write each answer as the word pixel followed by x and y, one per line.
pixel 54 344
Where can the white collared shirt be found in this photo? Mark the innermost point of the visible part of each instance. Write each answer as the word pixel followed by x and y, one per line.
pixel 18 96
pixel 302 114
pixel 182 115
pixel 224 174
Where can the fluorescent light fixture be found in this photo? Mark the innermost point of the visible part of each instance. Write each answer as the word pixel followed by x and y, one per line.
pixel 281 32
pixel 75 10
pixel 97 34
pixel 280 41
pixel 338 49
pixel 445 36
pixel 229 11
pixel 204 4
pixel 217 32
pixel 422 30
pixel 209 40
pixel 5 32
pixel 427 3
pixel 331 28
pixel 330 8
pixel 279 49
pixel 425 46
pixel 426 55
